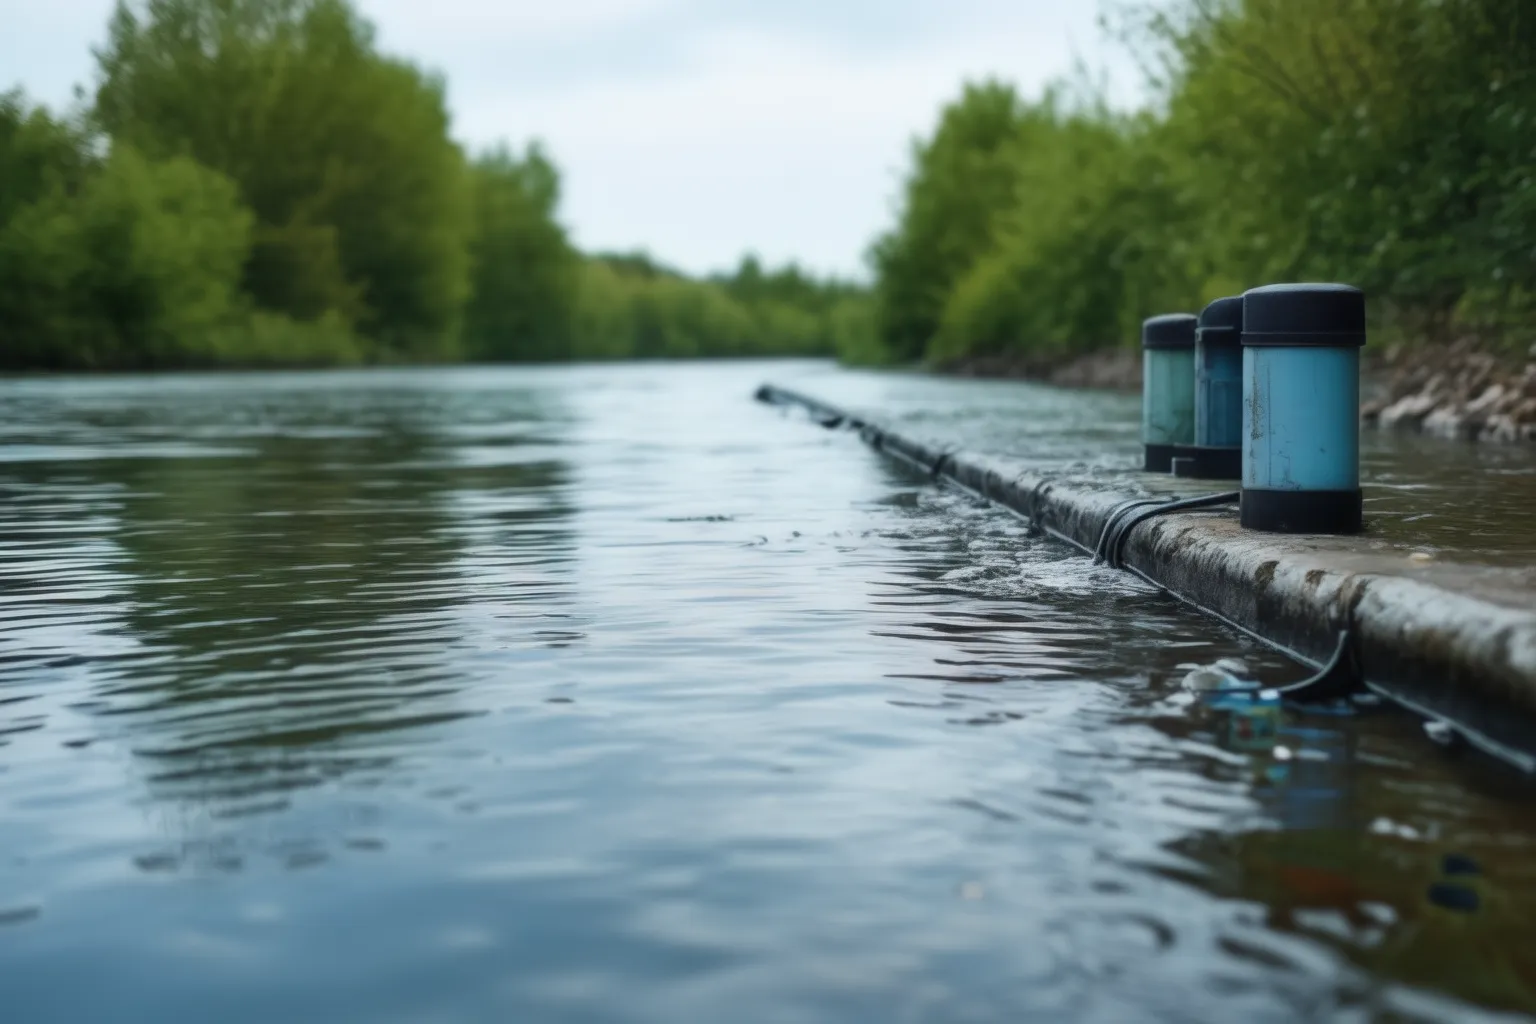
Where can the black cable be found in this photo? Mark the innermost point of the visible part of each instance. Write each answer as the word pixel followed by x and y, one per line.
pixel 1113 519
pixel 1335 672
pixel 1118 528
pixel 1338 679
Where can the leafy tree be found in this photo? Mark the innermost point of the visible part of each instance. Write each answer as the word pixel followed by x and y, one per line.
pixel 628 306
pixel 1382 142
pixel 1376 141
pixel 1098 234
pixel 38 154
pixel 258 185
pixel 960 179
pixel 139 268
pixel 361 198
pixel 524 269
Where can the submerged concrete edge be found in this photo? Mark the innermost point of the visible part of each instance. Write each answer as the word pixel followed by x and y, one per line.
pixel 1445 655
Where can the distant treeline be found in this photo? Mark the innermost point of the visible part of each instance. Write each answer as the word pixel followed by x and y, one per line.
pixel 254 183
pixel 1386 143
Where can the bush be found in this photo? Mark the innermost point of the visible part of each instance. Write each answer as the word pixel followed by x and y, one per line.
pixel 134 271
pixel 1381 142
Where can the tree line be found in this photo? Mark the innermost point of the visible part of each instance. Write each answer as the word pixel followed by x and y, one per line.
pixel 253 182
pixel 1390 144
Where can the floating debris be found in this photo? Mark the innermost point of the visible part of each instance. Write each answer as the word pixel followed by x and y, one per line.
pixel 1226 674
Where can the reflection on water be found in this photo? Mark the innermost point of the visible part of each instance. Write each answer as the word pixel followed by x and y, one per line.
pixel 608 694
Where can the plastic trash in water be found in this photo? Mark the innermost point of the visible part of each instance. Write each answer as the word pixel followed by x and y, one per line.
pixel 1247 719
pixel 1226 674
pixel 1246 715
pixel 1208 678
pixel 1459 887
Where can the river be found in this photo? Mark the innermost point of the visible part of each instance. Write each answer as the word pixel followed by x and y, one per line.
pixel 607 694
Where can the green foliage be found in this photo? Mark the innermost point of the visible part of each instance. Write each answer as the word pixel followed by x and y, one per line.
pixel 360 195
pixel 262 339
pixel 960 180
pixel 1098 233
pixel 135 269
pixel 851 328
pixel 1385 142
pixel 524 270
pixel 258 184
pixel 1382 142
pixel 279 192
pixel 629 306
pixel 38 155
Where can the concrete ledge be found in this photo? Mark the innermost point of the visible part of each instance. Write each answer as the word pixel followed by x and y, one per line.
pixel 1439 640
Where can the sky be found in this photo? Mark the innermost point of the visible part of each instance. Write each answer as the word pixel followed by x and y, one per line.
pixel 697 130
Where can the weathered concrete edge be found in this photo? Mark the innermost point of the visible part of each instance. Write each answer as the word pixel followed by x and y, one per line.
pixel 1446 655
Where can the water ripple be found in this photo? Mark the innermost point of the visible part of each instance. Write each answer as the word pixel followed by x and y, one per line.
pixel 605 693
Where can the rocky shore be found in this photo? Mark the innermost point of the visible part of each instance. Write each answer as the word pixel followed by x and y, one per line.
pixel 1456 391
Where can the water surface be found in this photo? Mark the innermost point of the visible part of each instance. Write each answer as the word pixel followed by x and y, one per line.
pixel 1456 500
pixel 606 694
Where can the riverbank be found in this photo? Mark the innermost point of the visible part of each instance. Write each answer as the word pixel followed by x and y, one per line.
pixel 1460 391
pixel 1453 643
pixel 1111 369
